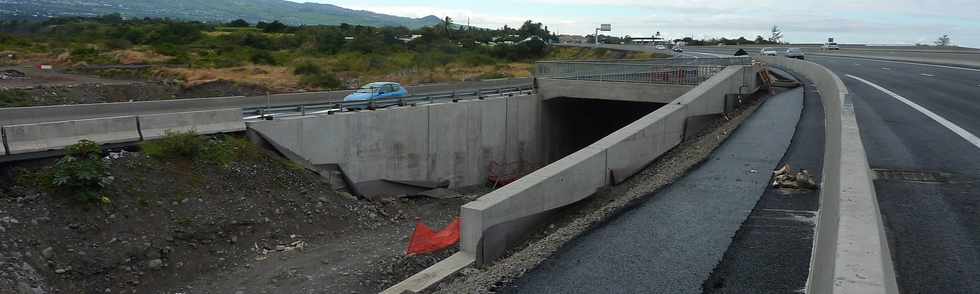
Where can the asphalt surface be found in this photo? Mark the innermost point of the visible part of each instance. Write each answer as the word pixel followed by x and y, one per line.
pixel 771 251
pixel 672 242
pixel 927 175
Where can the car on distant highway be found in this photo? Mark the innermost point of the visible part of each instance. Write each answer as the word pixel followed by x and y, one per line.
pixel 377 91
pixel 794 53
pixel 768 51
pixel 678 49
pixel 830 46
pixel 661 47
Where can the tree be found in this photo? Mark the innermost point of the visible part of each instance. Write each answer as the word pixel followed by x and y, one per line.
pixel 776 35
pixel 239 23
pixel 448 22
pixel 760 40
pixel 943 41
pixel 275 27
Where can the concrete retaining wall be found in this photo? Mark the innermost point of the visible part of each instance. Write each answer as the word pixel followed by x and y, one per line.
pixel 28 138
pixel 500 219
pixel 638 92
pixel 435 142
pixel 850 249
pixel 203 122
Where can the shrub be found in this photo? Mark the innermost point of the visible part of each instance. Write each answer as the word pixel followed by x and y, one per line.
pixel 174 145
pixel 263 57
pixel 189 145
pixel 82 172
pixel 323 80
pixel 308 69
pixel 117 44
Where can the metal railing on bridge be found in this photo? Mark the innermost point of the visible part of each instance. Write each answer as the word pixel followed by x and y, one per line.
pixel 681 71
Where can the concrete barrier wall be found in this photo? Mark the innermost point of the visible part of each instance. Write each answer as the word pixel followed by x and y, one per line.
pixel 435 142
pixel 731 80
pixel 203 122
pixel 29 138
pixel 638 92
pixel 850 250
pixel 498 220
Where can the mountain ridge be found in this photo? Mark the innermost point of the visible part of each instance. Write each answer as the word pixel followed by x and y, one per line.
pixel 293 13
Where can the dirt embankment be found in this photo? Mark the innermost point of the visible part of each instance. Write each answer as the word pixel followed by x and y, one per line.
pixel 259 226
pixel 135 91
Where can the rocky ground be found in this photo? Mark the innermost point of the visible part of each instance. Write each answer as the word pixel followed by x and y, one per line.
pixel 175 226
pixel 579 218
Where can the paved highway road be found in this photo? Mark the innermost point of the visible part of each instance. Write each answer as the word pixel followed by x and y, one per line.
pixel 919 124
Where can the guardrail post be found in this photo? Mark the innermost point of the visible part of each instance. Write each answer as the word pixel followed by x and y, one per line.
pixel 302 110
pixel 479 93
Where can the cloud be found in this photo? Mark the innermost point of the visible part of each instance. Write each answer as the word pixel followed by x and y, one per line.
pixel 871 21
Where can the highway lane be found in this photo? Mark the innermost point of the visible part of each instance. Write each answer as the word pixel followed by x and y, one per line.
pixel 919 124
pixel 927 173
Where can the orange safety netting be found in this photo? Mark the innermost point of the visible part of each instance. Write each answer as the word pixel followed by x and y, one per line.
pixel 424 240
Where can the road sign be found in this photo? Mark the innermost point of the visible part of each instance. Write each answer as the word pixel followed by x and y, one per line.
pixel 605 27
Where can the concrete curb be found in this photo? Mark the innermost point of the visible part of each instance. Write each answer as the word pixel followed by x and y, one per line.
pixel 432 275
pixel 850 252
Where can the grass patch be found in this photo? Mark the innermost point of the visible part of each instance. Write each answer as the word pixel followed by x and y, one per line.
pixel 222 149
pixel 14 98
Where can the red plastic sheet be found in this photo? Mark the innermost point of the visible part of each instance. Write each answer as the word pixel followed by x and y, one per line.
pixel 425 241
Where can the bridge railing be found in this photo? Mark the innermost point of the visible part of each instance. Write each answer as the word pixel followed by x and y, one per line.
pixel 682 71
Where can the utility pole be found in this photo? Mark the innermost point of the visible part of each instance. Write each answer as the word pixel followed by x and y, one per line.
pixel 603 27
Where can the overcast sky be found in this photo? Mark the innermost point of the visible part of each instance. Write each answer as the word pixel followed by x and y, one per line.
pixel 802 21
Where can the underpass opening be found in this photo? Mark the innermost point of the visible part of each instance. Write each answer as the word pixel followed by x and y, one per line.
pixel 574 123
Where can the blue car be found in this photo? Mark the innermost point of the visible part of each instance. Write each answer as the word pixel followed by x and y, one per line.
pixel 377 91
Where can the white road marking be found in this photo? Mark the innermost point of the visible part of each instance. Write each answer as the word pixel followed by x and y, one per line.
pixel 885 68
pixel 969 137
pixel 927 75
pixel 901 62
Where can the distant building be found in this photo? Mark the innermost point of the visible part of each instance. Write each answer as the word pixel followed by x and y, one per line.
pixel 572 39
pixel 407 39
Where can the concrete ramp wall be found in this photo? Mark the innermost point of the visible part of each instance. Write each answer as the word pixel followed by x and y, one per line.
pixel 435 142
pixel 500 219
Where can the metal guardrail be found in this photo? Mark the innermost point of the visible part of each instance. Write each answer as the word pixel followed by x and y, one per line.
pixel 636 73
pixel 682 71
pixel 722 61
pixel 340 106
